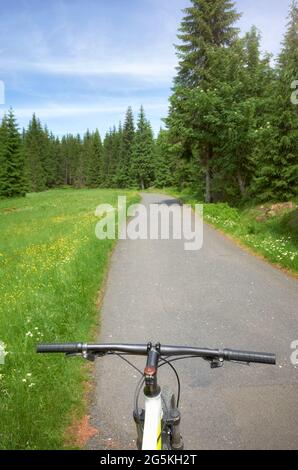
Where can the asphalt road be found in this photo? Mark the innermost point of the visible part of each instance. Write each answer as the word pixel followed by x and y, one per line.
pixel 220 296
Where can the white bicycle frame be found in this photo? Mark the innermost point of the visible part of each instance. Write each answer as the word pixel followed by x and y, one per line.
pixel 152 436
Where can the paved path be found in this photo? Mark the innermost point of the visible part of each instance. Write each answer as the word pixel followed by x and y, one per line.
pixel 218 296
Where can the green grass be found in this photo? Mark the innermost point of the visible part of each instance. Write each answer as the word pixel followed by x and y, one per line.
pixel 275 237
pixel 51 269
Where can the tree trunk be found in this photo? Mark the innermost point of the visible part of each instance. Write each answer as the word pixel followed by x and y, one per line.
pixel 208 195
pixel 241 182
pixel 208 186
pixel 142 184
pixel 66 175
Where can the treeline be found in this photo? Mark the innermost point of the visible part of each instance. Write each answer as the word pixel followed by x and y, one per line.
pixel 231 132
pixel 233 127
pixel 36 160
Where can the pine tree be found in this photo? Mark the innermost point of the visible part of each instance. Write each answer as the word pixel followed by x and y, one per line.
pixel 64 160
pixel 34 152
pixel 56 151
pixel 276 156
pixel 163 162
pixel 77 160
pixel 4 183
pixel 95 162
pixel 124 177
pixel 116 154
pixel 86 158
pixel 12 173
pixel 241 85
pixel 50 160
pixel 108 157
pixel 207 25
pixel 287 112
pixel 143 153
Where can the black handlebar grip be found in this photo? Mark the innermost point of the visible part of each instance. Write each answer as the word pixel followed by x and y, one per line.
pixel 71 348
pixel 249 357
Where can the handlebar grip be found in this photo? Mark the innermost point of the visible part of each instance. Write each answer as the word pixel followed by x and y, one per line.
pixel 249 357
pixel 71 348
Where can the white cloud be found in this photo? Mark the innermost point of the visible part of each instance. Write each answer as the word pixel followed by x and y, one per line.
pixel 148 71
pixel 59 111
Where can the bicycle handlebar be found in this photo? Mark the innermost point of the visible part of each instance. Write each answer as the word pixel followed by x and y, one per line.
pixel 165 351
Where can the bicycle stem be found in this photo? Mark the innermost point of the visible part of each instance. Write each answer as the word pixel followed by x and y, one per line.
pixel 152 388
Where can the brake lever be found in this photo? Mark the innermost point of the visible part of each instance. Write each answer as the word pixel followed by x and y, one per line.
pixel 85 355
pixel 248 364
pixel 218 363
pixel 215 363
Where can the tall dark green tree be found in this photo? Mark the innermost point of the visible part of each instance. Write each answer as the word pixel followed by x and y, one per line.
pixel 164 162
pixel 34 151
pixel 50 159
pixel 86 158
pixel 124 178
pixel 116 147
pixel 143 153
pixel 58 159
pixel 243 78
pixel 76 155
pixel 110 157
pixel 4 182
pixel 287 115
pixel 208 24
pixel 12 163
pixel 93 154
pixel 95 161
pixel 276 157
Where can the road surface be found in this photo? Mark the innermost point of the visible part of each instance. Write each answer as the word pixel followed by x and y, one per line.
pixel 220 296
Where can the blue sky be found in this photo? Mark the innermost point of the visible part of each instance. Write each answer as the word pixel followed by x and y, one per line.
pixel 80 63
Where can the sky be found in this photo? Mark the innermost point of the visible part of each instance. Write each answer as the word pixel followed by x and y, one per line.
pixel 79 64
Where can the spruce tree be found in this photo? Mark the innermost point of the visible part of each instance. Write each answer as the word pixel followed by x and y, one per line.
pixel 124 177
pixel 34 152
pixel 143 153
pixel 64 164
pixel 12 172
pixel 4 183
pixel 287 112
pixel 50 158
pixel 108 149
pixel 57 156
pixel 163 162
pixel 115 155
pixel 276 157
pixel 86 159
pixel 207 25
pixel 241 84
pixel 95 162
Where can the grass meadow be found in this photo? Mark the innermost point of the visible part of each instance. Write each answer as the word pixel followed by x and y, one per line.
pixel 270 230
pixel 52 267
